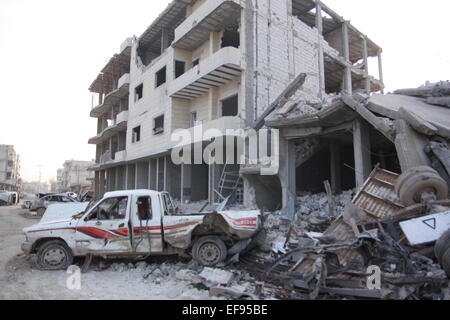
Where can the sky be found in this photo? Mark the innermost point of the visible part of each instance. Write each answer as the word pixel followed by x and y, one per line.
pixel 52 50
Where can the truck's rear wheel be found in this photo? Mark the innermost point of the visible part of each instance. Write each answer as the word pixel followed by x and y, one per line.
pixel 209 251
pixel 413 186
pixel 54 255
pixel 442 245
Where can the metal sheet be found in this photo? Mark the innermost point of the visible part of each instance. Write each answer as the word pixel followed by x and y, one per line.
pixel 426 229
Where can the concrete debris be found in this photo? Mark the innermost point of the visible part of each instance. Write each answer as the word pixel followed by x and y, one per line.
pixel 216 276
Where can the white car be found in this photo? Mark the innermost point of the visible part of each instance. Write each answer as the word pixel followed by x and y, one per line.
pixel 42 204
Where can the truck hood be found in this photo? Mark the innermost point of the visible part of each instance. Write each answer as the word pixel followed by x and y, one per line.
pixel 58 216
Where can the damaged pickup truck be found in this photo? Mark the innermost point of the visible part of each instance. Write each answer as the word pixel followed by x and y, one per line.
pixel 139 223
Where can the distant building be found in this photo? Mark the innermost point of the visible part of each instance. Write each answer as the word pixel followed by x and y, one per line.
pixel 74 176
pixel 9 168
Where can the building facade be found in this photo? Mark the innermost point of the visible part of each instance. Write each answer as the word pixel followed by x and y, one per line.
pixel 216 64
pixel 75 176
pixel 9 168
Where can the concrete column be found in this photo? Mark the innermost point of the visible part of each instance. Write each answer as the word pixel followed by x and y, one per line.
pixel 164 40
pixel 319 26
pixel 410 147
pixel 108 180
pixel 165 173
pixel 366 66
pixel 380 69
pixel 186 186
pixel 157 175
pixel 125 182
pixel 287 176
pixel 214 42
pixel 99 125
pixel 142 172
pixel 97 184
pixel 149 175
pixel 136 176
pixel 348 86
pixel 161 181
pixel 117 178
pixel 361 145
pixel 102 183
pixel 131 177
pixel 153 175
pixel 173 179
pixel 213 100
pixel 215 171
pixel 335 167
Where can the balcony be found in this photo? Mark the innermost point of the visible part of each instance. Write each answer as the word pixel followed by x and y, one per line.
pixel 221 127
pixel 119 124
pixel 211 16
pixel 112 98
pixel 121 156
pixel 215 71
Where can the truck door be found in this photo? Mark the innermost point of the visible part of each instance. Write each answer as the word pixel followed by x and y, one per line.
pixel 147 228
pixel 105 229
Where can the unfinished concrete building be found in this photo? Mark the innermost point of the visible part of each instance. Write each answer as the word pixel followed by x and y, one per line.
pixel 9 168
pixel 221 64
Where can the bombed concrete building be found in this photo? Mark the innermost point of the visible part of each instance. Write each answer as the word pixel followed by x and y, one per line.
pixel 215 64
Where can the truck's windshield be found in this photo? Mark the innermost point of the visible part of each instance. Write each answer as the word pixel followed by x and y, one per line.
pixel 110 209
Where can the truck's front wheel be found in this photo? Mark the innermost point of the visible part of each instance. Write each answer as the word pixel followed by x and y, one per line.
pixel 209 251
pixel 54 255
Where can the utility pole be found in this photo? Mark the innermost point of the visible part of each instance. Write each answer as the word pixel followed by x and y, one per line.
pixel 40 176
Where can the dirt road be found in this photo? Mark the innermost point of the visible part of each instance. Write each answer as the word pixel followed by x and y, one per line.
pixel 19 278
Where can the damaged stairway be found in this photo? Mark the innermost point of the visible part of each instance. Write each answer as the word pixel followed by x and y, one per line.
pixel 230 185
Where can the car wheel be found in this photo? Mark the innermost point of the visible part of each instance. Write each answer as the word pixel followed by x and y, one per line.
pixel 54 255
pixel 442 245
pixel 209 251
pixel 40 212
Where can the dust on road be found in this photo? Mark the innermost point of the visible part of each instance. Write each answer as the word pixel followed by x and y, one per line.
pixel 21 280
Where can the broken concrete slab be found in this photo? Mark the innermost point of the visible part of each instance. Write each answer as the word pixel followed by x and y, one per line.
pixel 388 105
pixel 439 101
pixel 367 115
pixel 417 122
pixel 438 89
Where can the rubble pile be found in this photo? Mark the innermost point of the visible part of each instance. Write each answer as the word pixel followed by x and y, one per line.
pixel 202 282
pixel 312 216
pixel 314 209
pixel 340 261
